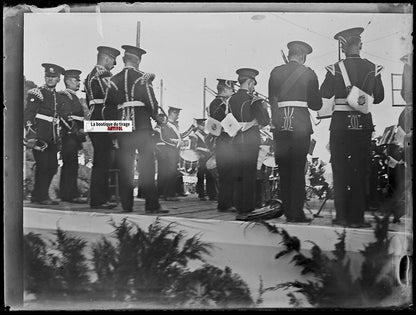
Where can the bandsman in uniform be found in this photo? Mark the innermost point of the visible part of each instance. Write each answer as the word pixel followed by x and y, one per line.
pixel 251 113
pixel 131 97
pixel 41 121
pixel 96 85
pixel 72 130
pixel 199 144
pixel 350 130
pixel 159 153
pixel 173 141
pixel 293 90
pixel 218 109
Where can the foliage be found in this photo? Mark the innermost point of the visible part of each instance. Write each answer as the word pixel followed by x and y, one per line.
pixel 59 269
pixel 334 285
pixel 39 274
pixel 211 286
pixel 148 266
pixel 70 263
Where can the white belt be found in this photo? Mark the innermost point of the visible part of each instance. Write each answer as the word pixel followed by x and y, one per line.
pixel 247 125
pixel 131 104
pixel 343 108
pixel 96 101
pixel 292 104
pixel 79 118
pixel 47 118
pixel 341 101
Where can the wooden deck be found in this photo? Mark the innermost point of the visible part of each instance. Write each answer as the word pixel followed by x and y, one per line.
pixel 192 207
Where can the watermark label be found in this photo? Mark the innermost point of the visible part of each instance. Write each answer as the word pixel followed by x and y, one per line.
pixel 108 126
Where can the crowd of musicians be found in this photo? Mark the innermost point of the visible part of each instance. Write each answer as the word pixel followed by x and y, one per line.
pixel 232 133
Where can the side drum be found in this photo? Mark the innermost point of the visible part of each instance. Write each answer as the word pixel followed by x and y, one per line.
pixel 189 160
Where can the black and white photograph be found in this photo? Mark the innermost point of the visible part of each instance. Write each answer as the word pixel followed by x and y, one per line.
pixel 208 156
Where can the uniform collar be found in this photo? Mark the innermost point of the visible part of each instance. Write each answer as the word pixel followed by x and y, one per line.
pixel 71 91
pixel 130 67
pixel 100 67
pixel 45 87
pixel 353 56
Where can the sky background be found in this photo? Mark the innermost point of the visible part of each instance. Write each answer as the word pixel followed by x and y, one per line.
pixel 184 48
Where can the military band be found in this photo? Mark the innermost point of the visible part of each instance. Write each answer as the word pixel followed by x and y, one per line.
pixel 231 136
pixel 218 109
pixel 96 85
pixel 72 131
pixel 41 121
pixel 130 96
pixel 350 130
pixel 171 142
pixel 293 90
pixel 205 185
pixel 250 112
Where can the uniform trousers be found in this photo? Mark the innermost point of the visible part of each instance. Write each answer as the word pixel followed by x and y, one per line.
pixel 46 167
pixel 102 160
pixel 290 154
pixel 203 175
pixel 245 173
pixel 128 143
pixel 161 170
pixel 169 159
pixel 68 188
pixel 225 162
pixel 350 159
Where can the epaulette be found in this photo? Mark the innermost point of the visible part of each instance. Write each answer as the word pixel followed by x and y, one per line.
pixel 66 93
pixel 36 93
pixel 255 99
pixel 103 72
pixel 331 69
pixel 379 69
pixel 147 78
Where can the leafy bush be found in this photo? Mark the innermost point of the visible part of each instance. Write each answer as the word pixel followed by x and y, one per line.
pixel 147 266
pixel 333 285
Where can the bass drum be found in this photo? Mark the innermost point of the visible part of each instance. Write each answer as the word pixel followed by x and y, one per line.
pixel 189 160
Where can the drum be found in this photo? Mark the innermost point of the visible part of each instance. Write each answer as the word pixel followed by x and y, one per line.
pixel 272 210
pixel 271 167
pixel 189 160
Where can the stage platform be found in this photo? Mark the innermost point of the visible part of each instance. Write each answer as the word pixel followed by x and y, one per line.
pixel 247 248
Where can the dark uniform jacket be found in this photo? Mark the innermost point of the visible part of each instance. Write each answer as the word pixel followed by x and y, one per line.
pixel 305 89
pixel 48 102
pixel 218 110
pixel 362 74
pixel 199 143
pixel 170 135
pixel 131 87
pixel 72 111
pixel 246 108
pixel 96 85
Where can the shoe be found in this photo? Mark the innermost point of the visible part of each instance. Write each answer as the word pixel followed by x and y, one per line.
pixel 213 199
pixel 171 198
pixel 396 220
pixel 49 202
pixel 183 195
pixel 202 198
pixel 339 222
pixel 106 205
pixel 126 211
pixel 78 200
pixel 359 225
pixel 299 220
pixel 158 210
pixel 241 217
pixel 230 209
